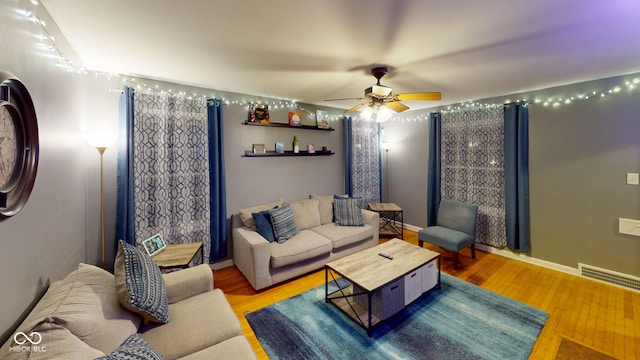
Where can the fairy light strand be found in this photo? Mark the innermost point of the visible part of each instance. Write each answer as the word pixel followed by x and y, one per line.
pixel 50 45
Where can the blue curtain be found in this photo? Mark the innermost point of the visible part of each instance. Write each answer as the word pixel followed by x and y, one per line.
pixel 217 193
pixel 348 160
pixel 433 175
pixel 125 213
pixel 516 169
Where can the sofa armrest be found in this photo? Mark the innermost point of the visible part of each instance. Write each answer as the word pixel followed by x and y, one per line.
pixel 188 282
pixel 371 218
pixel 252 256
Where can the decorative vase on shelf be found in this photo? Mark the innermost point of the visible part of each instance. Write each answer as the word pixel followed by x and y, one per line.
pixel 296 145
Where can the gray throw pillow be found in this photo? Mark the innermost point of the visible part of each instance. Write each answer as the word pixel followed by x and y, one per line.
pixel 284 227
pixel 347 211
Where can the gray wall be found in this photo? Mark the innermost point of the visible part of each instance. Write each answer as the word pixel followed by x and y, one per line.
pixel 579 156
pixel 49 237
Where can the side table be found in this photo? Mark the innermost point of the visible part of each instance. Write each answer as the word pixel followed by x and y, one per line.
pixel 390 215
pixel 178 255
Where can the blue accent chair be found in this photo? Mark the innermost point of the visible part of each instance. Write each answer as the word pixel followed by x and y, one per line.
pixel 455 228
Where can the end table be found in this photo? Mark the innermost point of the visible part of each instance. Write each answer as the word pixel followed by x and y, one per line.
pixel 391 215
pixel 178 255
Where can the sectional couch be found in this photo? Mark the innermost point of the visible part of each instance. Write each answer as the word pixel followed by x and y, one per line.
pixel 320 238
pixel 81 317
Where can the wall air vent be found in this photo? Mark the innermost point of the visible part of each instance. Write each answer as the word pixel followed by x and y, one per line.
pixel 608 276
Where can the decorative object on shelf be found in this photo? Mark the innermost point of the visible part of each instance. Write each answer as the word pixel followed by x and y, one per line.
pixel 101 142
pixel 296 145
pixel 285 125
pixel 311 149
pixel 286 153
pixel 19 146
pixel 295 118
pixel 322 119
pixel 279 147
pixel 258 149
pixel 324 149
pixel 259 113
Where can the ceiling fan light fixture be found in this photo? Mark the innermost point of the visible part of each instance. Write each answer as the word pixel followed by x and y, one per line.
pixel 383 114
pixel 381 91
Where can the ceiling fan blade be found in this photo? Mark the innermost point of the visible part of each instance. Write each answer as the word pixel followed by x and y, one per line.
pixel 355 108
pixel 420 96
pixel 396 106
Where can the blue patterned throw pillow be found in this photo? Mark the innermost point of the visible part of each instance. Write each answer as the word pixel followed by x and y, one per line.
pixel 347 211
pixel 140 284
pixel 133 348
pixel 284 227
pixel 264 226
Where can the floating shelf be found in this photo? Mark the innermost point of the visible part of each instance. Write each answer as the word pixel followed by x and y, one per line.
pixel 283 125
pixel 271 153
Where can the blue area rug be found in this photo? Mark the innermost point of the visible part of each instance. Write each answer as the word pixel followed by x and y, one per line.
pixel 459 321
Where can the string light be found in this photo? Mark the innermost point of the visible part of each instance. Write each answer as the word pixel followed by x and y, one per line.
pixel 49 43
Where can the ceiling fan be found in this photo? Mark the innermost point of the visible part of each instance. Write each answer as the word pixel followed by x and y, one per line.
pixel 380 98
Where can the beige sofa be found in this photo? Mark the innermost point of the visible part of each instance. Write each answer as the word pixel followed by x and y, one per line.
pixel 80 317
pixel 319 241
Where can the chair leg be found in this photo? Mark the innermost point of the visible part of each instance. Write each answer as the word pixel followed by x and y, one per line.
pixel 456 260
pixel 473 251
pixel 420 243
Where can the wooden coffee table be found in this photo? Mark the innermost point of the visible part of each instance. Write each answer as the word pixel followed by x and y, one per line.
pixel 380 287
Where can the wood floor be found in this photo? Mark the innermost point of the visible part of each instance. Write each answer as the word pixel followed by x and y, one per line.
pixel 599 316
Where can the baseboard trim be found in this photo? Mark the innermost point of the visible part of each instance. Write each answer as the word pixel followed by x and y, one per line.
pixel 521 257
pixel 221 264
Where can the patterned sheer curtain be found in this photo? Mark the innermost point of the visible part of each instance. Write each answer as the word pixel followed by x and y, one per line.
pixel 472 167
pixel 362 160
pixel 171 172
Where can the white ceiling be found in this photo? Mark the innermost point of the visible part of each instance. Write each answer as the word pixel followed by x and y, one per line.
pixel 309 51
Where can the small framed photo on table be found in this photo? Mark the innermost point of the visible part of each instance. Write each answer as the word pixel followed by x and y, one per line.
pixel 154 245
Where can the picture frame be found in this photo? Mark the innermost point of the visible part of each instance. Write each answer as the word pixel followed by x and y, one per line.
pixel 258 149
pixel 279 147
pixel 154 245
pixel 259 113
pixel 295 118
pixel 322 119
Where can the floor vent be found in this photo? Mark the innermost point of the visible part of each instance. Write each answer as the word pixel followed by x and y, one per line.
pixel 610 277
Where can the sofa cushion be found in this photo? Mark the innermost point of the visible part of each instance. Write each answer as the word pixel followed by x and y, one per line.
pixel 306 213
pixel 196 323
pixel 246 215
pixel 347 211
pixel 86 303
pixel 344 235
pixel 264 227
pixel 305 245
pixel 56 342
pixel 284 226
pixel 325 207
pixel 134 347
pixel 235 348
pixel 140 284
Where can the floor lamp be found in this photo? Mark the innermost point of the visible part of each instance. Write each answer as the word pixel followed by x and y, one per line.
pixel 386 146
pixel 101 142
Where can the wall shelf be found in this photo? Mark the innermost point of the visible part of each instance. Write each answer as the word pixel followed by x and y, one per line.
pixel 271 153
pixel 283 125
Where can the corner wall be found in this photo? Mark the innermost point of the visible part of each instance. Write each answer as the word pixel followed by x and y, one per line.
pixel 51 235
pixel 579 154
